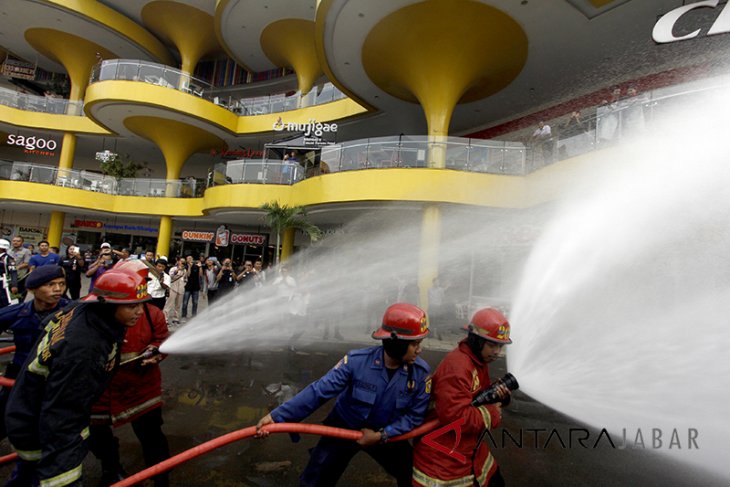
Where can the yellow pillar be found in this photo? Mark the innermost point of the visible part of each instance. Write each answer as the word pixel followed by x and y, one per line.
pixel 403 57
pixel 190 29
pixel 287 244
pixel 66 160
pixel 68 149
pixel 55 228
pixel 165 236
pixel 291 42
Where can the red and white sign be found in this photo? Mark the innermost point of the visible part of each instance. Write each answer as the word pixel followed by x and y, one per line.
pixel 223 237
pixel 194 236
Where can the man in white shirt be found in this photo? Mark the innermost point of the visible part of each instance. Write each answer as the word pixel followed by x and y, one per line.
pixel 543 138
pixel 159 284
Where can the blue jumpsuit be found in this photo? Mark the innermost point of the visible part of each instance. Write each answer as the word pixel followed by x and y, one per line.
pixel 367 398
pixel 26 324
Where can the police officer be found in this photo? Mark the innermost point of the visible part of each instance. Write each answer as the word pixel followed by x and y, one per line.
pixel 48 284
pixel 47 416
pixel 381 391
pixel 8 275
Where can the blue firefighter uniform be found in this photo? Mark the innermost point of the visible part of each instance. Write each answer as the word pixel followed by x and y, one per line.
pixel 368 398
pixel 26 324
pixel 48 412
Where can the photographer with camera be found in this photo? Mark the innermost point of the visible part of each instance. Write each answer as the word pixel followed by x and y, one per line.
pixel 192 286
pixel 226 278
pixel 103 263
pixel 74 264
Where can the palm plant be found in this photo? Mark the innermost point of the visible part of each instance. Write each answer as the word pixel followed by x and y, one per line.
pixel 282 217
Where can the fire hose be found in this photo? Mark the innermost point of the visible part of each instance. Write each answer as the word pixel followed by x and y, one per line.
pixel 314 429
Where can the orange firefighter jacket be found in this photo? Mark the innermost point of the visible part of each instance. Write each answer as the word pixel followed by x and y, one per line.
pixel 458 378
pixel 135 388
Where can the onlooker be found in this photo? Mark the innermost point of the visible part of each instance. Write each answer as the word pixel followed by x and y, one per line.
pixel 48 285
pixel 134 395
pixel 607 119
pixel 103 263
pixel 210 282
pixel 178 276
pixel 44 256
pixel 259 274
pixel 48 412
pixel 245 278
pixel 194 271
pixel 74 264
pixel 22 263
pixel 159 284
pixel 542 137
pixel 8 276
pixel 226 279
pixel 633 122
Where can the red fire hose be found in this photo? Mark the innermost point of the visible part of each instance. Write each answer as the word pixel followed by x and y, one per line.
pixel 313 429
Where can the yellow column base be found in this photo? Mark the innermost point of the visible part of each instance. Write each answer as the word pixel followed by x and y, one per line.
pixel 55 228
pixel 163 240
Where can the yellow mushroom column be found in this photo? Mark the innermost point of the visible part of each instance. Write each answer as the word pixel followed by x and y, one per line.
pixel 177 141
pixel 439 53
pixel 78 56
pixel 290 42
pixel 190 29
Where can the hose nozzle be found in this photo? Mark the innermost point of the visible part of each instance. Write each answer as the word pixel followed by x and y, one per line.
pixel 491 395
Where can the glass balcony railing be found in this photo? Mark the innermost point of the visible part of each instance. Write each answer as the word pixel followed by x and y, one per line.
pixel 604 125
pixel 472 155
pixel 91 181
pixel 258 172
pixel 168 77
pixel 45 104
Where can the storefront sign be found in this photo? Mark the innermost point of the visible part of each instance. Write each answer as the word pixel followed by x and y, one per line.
pixel 223 237
pixel 33 144
pixel 311 128
pixel 13 68
pixel 249 239
pixel 31 234
pixel 87 224
pixel 242 153
pixel 131 228
pixel 664 28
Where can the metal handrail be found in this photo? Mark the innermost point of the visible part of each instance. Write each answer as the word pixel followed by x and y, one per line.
pixel 169 77
pixel 35 103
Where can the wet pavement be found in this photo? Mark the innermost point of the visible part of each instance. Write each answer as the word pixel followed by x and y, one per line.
pixel 206 397
pixel 209 396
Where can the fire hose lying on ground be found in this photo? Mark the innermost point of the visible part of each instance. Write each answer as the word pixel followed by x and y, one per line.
pixel 488 396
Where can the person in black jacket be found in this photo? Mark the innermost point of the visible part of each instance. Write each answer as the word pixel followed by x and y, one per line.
pixel 48 412
pixel 74 265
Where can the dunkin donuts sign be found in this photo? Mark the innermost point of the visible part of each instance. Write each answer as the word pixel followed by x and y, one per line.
pixel 223 237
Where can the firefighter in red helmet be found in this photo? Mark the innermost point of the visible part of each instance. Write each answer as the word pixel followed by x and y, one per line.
pixel 49 408
pixel 382 391
pixel 461 376
pixel 134 394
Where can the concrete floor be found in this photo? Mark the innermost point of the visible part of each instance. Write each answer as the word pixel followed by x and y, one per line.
pixel 206 397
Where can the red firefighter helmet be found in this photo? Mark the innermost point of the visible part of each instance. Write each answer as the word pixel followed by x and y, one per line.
pixel 133 267
pixel 491 325
pixel 404 321
pixel 119 287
